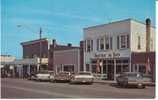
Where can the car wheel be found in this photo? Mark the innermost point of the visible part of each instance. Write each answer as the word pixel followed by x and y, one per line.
pixel 125 84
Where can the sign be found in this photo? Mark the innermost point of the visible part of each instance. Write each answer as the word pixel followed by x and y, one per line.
pixel 106 55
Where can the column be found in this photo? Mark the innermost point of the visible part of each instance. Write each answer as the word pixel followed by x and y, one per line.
pixel 114 69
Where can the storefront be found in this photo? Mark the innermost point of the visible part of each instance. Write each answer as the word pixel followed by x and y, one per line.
pixel 108 65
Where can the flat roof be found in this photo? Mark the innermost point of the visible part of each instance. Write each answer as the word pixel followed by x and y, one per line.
pixel 34 41
pixel 129 19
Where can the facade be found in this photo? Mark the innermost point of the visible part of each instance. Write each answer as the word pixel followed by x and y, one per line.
pixel 108 47
pixel 6 67
pixel 64 58
pixel 31 62
pixel 31 50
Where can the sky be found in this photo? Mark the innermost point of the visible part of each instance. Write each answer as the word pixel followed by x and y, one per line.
pixel 63 20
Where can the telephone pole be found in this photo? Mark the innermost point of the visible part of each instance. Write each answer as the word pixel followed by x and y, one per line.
pixel 40 56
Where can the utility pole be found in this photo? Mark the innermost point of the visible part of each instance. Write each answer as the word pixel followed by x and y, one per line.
pixel 40 37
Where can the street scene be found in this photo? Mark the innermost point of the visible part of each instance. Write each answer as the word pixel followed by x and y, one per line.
pixel 19 88
pixel 53 49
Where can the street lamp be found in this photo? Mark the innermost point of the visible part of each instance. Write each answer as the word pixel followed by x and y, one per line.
pixel 40 37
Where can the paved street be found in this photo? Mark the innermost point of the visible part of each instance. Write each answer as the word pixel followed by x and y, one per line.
pixel 19 88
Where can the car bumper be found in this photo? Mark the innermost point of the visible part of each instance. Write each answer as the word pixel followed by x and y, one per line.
pixel 82 81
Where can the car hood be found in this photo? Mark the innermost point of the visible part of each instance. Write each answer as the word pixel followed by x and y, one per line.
pixel 84 76
pixel 43 75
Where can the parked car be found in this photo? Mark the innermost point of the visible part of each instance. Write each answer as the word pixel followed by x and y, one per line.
pixel 83 77
pixel 44 75
pixel 131 78
pixel 62 76
pixel 32 77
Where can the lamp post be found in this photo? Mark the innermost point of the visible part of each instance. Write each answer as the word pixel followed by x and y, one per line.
pixel 40 37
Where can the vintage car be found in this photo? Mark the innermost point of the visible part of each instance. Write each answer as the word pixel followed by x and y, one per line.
pixel 131 78
pixel 83 77
pixel 44 76
pixel 62 76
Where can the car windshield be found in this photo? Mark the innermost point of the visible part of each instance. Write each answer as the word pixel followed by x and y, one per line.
pixel 84 73
pixel 132 74
pixel 43 72
pixel 64 73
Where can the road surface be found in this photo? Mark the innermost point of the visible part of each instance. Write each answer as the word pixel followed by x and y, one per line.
pixel 22 88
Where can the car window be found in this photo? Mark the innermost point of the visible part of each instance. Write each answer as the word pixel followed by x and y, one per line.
pixel 64 73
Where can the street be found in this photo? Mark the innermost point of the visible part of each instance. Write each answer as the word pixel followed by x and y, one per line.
pixel 22 88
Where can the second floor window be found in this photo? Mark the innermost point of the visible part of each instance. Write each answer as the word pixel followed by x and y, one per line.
pixel 123 41
pixel 89 45
pixel 102 44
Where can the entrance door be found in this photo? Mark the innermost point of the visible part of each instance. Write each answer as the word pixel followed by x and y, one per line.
pixel 110 73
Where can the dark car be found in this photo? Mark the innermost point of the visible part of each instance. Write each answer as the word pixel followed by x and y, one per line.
pixel 131 78
pixel 62 76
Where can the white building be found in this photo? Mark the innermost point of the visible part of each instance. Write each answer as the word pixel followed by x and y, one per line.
pixel 108 47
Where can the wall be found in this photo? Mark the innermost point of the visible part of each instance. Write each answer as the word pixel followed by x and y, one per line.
pixel 139 29
pixel 32 49
pixel 112 29
pixel 67 57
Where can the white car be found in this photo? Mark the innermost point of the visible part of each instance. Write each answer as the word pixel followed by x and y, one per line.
pixel 45 76
pixel 83 77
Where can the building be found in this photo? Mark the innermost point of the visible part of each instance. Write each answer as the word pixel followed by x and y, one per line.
pixel 64 57
pixel 110 49
pixel 37 49
pixel 6 66
pixel 31 62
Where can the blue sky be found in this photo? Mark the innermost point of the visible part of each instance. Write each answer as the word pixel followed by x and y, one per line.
pixel 63 20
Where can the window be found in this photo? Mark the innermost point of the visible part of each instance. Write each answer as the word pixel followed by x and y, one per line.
pixel 102 44
pixel 142 69
pixel 89 46
pixel 139 47
pixel 97 44
pixel 123 41
pixel 107 44
pixel 110 42
pixel 151 44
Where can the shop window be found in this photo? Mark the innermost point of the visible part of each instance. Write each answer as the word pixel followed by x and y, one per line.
pixel 93 68
pixel 69 68
pixel 118 69
pixel 125 68
pixel 142 69
pixel 87 67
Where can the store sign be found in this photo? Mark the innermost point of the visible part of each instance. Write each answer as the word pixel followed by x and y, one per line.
pixel 106 55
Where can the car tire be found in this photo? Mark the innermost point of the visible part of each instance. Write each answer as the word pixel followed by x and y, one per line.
pixel 125 84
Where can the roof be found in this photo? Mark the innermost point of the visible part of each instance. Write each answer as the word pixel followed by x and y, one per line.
pixel 129 19
pixel 33 41
pixel 64 47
